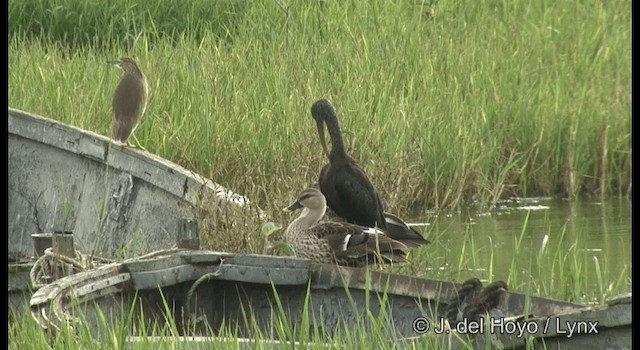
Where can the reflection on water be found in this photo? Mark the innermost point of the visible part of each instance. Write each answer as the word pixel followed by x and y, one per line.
pixel 599 231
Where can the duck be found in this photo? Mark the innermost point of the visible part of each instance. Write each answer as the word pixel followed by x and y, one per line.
pixel 395 227
pixel 341 243
pixel 468 291
pixel 473 300
pixel 487 302
pixel 348 190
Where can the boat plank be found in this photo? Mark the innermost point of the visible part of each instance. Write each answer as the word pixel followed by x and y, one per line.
pixel 271 261
pixel 257 274
pixel 565 327
pixel 204 257
pixel 101 287
pixel 330 276
pixel 66 137
pixel 153 263
pixel 159 278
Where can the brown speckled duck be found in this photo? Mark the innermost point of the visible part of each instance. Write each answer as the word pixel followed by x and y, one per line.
pixel 395 227
pixel 330 242
pixel 464 296
pixel 488 302
pixel 472 300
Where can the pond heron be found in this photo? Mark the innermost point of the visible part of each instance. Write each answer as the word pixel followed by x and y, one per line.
pixel 129 99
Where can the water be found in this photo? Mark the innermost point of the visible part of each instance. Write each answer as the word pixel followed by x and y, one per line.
pixel 581 235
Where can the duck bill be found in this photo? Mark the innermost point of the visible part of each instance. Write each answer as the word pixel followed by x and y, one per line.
pixel 293 207
pixel 320 125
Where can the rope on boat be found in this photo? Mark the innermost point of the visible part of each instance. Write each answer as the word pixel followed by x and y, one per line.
pixel 194 286
pixel 44 267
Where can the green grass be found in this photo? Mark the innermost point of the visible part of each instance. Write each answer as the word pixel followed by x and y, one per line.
pixel 443 104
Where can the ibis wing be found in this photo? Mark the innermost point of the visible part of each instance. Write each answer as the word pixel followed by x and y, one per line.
pixel 359 199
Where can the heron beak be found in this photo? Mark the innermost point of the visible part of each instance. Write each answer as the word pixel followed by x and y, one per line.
pixel 320 125
pixel 293 207
pixel 116 62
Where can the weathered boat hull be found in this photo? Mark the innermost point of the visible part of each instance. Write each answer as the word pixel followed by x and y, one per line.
pixel 19 288
pixel 209 290
pixel 118 201
pixel 599 327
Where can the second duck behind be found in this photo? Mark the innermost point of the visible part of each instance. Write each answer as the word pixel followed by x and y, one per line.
pixel 331 242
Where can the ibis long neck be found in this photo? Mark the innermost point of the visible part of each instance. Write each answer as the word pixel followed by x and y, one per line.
pixel 337 143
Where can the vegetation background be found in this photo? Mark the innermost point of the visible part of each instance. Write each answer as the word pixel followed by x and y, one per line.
pixel 444 103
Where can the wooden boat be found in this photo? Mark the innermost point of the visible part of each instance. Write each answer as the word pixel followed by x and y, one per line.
pixel 208 290
pixel 116 201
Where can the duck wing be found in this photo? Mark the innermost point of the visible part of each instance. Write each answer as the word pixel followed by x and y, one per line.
pixel 360 244
pixel 397 229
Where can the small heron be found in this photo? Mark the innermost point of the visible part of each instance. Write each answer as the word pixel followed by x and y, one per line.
pixel 129 100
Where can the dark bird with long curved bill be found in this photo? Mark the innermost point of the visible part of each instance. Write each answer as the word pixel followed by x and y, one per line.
pixel 347 188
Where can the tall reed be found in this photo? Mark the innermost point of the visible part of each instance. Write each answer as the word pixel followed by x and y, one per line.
pixel 443 103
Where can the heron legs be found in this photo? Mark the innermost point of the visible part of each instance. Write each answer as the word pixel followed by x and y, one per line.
pixel 136 145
